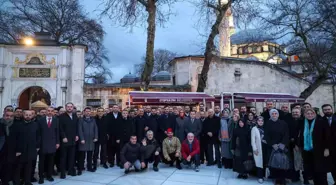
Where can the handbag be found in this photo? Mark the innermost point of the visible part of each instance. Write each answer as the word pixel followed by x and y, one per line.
pixel 279 160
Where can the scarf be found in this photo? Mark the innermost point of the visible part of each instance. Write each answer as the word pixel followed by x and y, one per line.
pixel 224 131
pixel 308 135
pixel 262 133
pixel 7 124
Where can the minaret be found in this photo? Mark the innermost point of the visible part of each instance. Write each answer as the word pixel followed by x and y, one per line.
pixel 226 29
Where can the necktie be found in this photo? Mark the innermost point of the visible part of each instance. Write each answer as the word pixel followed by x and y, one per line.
pixel 192 120
pixel 49 122
pixel 330 120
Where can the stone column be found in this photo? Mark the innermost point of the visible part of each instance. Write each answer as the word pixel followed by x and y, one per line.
pixel 77 76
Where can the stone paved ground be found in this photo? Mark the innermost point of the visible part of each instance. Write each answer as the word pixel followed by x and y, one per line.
pixel 166 176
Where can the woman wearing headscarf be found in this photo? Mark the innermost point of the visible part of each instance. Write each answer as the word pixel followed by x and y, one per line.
pixel 259 148
pixel 225 135
pixel 314 139
pixel 251 120
pixel 240 148
pixel 277 139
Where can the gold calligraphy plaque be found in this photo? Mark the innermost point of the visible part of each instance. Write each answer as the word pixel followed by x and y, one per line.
pixel 34 73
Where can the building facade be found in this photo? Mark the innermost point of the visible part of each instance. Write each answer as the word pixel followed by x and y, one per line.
pixel 40 74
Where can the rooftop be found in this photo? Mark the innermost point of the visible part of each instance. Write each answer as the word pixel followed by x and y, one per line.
pixel 250 36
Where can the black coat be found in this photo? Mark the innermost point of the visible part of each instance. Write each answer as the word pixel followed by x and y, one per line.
pixel 131 153
pixel 114 126
pixel 321 141
pixel 293 127
pixel 49 136
pixel 332 135
pixel 211 125
pixel 127 130
pixel 151 147
pixel 195 127
pixel 140 123
pixel 102 129
pixel 28 141
pixel 8 152
pixel 68 128
pixel 165 122
pixel 276 132
pixel 152 124
pixel 241 144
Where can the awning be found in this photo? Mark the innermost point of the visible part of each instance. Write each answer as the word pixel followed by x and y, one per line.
pixel 156 98
pixel 260 97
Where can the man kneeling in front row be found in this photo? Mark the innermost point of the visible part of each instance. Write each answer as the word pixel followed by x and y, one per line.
pixel 191 151
pixel 150 149
pixel 171 150
pixel 130 155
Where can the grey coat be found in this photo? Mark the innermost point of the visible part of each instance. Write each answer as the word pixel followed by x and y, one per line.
pixel 87 131
pixel 195 127
pixel 180 128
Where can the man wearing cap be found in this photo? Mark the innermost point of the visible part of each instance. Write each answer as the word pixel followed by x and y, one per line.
pixel 171 149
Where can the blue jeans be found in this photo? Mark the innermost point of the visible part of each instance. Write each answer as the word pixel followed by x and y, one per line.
pixel 195 159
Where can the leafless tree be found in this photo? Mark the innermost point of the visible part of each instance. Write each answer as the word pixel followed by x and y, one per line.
pixel 162 57
pixel 64 19
pixel 309 26
pixel 132 12
pixel 212 13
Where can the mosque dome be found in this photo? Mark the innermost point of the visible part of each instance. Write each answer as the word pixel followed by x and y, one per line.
pixel 162 76
pixel 129 78
pixel 250 36
pixel 253 58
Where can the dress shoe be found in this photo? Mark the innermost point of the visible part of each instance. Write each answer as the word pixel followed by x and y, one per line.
pixel 219 165
pixel 127 171
pixel 155 168
pixel 50 179
pixel 62 176
pixel 91 170
pixel 178 166
pixel 105 166
pixel 41 181
pixel 79 173
pixel 111 165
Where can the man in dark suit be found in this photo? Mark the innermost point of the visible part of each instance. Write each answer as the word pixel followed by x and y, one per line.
pixel 7 152
pixel 217 111
pixel 148 112
pixel 27 146
pixel 187 111
pixel 114 126
pixel 102 139
pixel 165 121
pixel 203 143
pixel 68 126
pixel 193 125
pixel 151 123
pixel 331 118
pixel 140 122
pixel 49 132
pixel 266 114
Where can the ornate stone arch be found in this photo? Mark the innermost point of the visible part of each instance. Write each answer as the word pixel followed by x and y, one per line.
pixel 18 91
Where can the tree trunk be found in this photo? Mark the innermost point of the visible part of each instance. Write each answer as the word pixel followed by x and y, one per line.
pixel 312 87
pixel 148 68
pixel 208 55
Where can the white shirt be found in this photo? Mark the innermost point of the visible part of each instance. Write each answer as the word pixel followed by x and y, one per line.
pixel 115 115
pixel 49 118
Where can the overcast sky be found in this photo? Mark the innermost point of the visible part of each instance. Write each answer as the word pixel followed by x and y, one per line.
pixel 126 48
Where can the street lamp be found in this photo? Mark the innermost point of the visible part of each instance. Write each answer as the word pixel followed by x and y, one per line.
pixel 28 41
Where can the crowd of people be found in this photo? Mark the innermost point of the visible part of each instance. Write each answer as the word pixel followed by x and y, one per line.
pixel 277 144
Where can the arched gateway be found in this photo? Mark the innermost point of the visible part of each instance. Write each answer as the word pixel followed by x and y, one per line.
pixel 44 74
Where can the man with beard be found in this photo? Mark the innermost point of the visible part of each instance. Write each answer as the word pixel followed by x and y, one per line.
pixel 171 149
pixel 140 122
pixel 150 150
pixel 331 118
pixel 27 146
pixel 203 143
pixel 114 124
pixel 148 112
pixel 102 140
pixel 171 111
pixel 132 114
pixel 191 151
pixel 42 113
pixel 131 155
pixel 211 131
pixel 186 111
pixel 217 111
pixel 253 110
pixel 68 123
pixel 49 133
pixel 165 121
pixel 293 121
pixel 9 131
pixel 285 109
pixel 243 113
pixel 201 106
pixel 18 114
